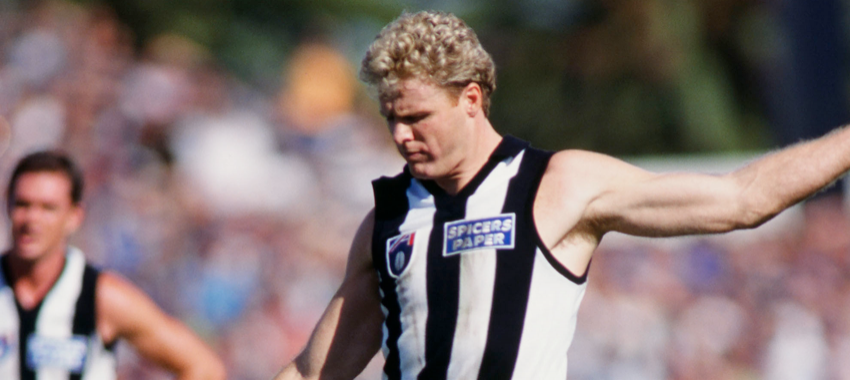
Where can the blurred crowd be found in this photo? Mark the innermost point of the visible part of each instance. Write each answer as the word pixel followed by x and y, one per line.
pixel 233 209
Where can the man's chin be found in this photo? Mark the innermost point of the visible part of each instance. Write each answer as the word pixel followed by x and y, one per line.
pixel 422 175
pixel 27 253
pixel 422 170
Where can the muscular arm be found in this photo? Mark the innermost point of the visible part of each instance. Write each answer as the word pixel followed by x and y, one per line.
pixel 349 333
pixel 126 312
pixel 596 193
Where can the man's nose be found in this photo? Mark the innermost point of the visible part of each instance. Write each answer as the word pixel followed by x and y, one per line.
pixel 401 133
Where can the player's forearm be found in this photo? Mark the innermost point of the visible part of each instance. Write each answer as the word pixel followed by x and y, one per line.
pixel 782 179
pixel 345 339
pixel 312 361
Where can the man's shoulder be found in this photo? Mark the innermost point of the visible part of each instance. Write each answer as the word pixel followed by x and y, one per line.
pixel 572 163
pixel 574 175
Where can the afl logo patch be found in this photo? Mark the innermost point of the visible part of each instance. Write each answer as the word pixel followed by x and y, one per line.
pixel 399 253
pixel 495 232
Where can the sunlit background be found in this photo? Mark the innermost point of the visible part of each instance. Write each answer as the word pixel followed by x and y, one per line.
pixel 228 148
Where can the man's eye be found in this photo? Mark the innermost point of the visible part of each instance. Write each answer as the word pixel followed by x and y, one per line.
pixel 413 119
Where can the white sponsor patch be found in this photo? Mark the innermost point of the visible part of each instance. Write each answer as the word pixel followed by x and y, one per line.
pixel 495 232
pixel 59 353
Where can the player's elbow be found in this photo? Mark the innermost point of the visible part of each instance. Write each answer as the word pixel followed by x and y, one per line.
pixel 753 211
pixel 746 205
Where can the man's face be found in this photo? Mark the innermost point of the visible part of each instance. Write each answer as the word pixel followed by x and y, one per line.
pixel 42 215
pixel 428 125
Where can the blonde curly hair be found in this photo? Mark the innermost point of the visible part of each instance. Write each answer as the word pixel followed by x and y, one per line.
pixel 433 46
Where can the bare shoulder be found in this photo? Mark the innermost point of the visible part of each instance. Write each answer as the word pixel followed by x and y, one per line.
pixel 585 175
pixel 572 182
pixel 564 192
pixel 574 157
pixel 360 256
pixel 120 305
pixel 364 232
pixel 573 173
pixel 571 160
pixel 113 291
pixel 575 163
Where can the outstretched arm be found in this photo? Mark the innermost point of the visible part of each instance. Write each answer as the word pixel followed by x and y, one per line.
pixel 126 312
pixel 349 333
pixel 598 193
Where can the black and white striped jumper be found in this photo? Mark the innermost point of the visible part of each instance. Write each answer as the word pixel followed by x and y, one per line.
pixel 468 289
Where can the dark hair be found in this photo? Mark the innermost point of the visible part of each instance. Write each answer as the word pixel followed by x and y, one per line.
pixel 48 161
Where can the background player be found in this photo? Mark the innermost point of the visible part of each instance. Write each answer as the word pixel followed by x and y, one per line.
pixel 61 317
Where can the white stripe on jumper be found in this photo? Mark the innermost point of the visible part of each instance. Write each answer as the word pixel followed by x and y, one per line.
pixel 550 323
pixel 411 287
pixel 56 317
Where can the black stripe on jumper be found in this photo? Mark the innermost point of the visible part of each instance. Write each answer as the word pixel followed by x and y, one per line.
pixel 514 269
pixel 26 328
pixel 391 207
pixel 84 310
pixel 443 288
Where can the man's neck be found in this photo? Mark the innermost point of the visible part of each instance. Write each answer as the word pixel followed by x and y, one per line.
pixel 32 280
pixel 479 153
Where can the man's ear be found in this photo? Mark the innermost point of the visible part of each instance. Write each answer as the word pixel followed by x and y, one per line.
pixel 76 219
pixel 472 98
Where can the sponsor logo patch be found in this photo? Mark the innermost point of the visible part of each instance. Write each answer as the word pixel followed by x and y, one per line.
pixel 399 253
pixel 60 353
pixel 495 232
pixel 6 346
